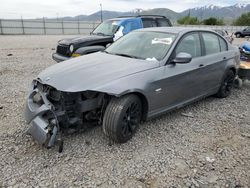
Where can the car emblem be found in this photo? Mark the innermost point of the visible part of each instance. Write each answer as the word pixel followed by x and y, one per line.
pixel 47 79
pixel 158 90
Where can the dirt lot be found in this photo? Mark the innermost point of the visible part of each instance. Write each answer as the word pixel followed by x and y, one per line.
pixel 210 148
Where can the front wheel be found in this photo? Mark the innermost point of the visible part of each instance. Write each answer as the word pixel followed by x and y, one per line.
pixel 122 117
pixel 226 85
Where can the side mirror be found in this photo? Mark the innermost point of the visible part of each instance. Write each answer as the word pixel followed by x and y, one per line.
pixel 119 33
pixel 182 58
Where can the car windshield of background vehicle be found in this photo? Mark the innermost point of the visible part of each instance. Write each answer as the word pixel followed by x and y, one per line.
pixel 151 46
pixel 107 28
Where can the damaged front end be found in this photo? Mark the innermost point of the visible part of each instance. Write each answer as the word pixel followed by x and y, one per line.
pixel 49 111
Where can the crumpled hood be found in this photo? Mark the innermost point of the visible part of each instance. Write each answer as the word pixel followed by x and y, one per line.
pixel 82 39
pixel 91 71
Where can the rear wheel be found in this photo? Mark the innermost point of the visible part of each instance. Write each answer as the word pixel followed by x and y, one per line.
pixel 226 85
pixel 238 35
pixel 122 117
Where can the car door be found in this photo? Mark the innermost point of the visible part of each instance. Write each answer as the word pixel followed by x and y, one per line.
pixel 214 61
pixel 181 83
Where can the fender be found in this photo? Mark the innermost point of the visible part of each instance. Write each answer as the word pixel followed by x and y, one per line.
pixel 89 49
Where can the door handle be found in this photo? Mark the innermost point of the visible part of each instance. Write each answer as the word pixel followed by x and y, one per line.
pixel 201 65
pixel 224 58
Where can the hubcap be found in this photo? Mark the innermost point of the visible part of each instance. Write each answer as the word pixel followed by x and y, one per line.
pixel 131 119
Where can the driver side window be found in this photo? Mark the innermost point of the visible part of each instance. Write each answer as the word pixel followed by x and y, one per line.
pixel 190 44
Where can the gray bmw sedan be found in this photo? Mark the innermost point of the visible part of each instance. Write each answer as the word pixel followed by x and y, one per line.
pixel 145 73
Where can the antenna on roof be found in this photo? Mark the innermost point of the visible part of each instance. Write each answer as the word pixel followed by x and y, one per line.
pixel 101 13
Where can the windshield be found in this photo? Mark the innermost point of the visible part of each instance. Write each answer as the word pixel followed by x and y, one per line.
pixel 143 45
pixel 108 27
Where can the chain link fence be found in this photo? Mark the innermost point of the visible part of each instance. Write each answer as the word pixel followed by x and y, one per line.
pixel 45 27
pixel 61 27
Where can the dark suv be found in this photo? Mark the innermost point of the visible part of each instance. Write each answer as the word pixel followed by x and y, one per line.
pixel 106 33
pixel 245 32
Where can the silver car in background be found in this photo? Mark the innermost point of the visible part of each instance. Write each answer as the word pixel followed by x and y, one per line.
pixel 226 35
pixel 142 75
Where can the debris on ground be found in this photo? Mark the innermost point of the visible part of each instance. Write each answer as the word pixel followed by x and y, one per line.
pixel 190 115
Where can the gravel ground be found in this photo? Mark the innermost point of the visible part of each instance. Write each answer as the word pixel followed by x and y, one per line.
pixel 207 147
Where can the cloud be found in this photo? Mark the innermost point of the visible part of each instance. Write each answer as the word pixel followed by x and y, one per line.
pixel 54 8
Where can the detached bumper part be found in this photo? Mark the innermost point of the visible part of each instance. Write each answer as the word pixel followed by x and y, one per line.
pixel 40 132
pixel 44 131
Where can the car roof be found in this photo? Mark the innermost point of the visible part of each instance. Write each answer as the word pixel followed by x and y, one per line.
pixel 139 16
pixel 174 30
pixel 121 18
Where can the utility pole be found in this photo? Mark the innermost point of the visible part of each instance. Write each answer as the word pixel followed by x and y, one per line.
pixel 22 25
pixel 78 24
pixel 1 28
pixel 44 26
pixel 101 13
pixel 62 27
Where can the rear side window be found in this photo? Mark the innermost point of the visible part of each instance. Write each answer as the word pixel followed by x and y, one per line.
pixel 223 45
pixel 161 22
pixel 149 23
pixel 190 44
pixel 212 44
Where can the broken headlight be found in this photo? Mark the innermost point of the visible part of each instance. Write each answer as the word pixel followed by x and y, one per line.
pixel 54 94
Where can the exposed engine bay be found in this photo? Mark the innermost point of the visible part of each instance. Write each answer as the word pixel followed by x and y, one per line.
pixel 50 111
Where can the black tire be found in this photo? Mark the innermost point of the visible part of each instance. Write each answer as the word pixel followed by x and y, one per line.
pixel 226 85
pixel 238 35
pixel 122 117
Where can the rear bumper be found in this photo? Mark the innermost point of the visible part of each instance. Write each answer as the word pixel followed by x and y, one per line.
pixel 59 58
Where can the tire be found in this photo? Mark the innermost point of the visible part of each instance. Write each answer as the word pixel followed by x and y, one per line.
pixel 226 85
pixel 122 117
pixel 238 35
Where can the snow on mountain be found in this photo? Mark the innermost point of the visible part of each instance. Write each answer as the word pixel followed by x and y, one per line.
pixel 228 12
pixel 240 5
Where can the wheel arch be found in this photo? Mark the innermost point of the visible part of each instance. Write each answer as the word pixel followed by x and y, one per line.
pixel 144 100
pixel 233 69
pixel 111 92
pixel 89 49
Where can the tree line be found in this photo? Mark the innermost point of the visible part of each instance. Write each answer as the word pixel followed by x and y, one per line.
pixel 243 20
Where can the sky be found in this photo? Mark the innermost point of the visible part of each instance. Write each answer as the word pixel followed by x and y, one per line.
pixel 61 8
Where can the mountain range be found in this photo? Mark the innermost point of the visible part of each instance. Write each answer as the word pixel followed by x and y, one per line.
pixel 226 13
